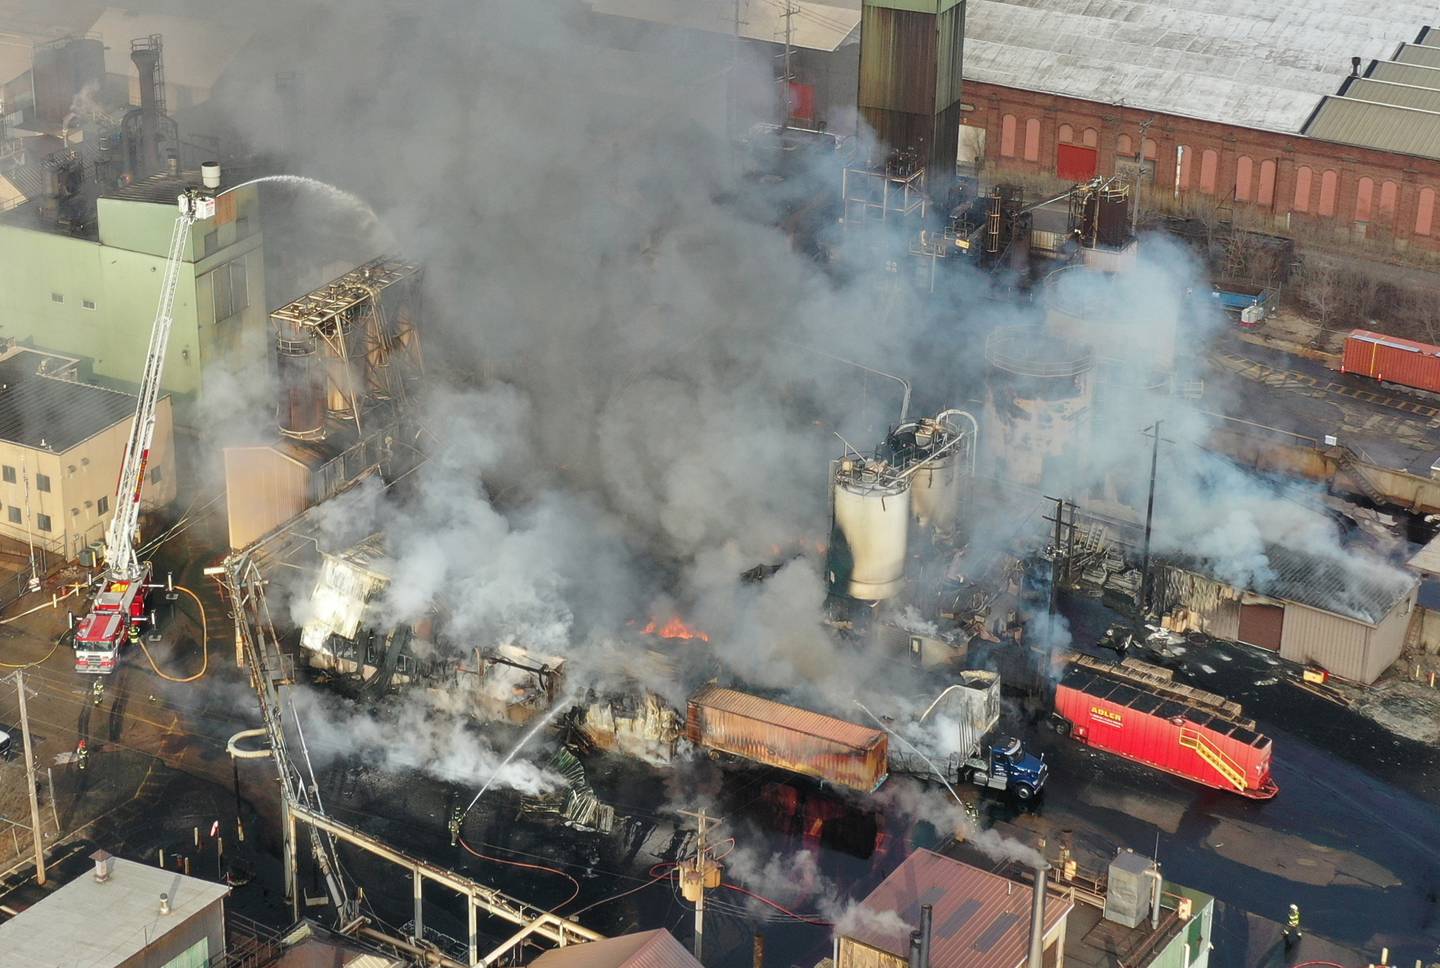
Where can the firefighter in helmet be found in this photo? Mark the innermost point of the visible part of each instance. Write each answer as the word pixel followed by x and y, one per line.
pixel 82 753
pixel 1292 927
pixel 133 633
pixel 455 817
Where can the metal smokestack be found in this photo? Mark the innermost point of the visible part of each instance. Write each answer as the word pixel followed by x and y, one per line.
pixel 145 53
pixel 1037 920
pixel 915 950
pixel 926 912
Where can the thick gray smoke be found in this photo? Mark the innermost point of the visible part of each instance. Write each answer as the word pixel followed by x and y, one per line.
pixel 624 411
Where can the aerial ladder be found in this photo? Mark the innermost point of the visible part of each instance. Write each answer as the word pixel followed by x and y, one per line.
pixel 119 603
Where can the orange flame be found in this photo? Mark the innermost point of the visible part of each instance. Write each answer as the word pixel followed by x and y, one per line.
pixel 674 629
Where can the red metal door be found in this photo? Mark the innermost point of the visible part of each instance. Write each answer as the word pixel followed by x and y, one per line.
pixel 1261 625
pixel 1076 163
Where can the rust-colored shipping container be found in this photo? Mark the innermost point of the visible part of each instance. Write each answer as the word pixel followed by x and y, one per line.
pixel 1392 359
pixel 1126 718
pixel 793 739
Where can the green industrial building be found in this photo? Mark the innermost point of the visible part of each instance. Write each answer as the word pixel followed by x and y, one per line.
pixel 90 288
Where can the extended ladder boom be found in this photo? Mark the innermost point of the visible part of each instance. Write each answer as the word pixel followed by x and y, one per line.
pixel 120 537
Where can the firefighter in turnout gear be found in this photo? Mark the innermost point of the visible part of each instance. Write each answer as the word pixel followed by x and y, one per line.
pixel 82 753
pixel 133 633
pixel 455 826
pixel 1292 927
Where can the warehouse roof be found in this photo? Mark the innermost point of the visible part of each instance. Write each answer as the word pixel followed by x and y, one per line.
pixel 1395 106
pixel 38 410
pixel 89 924
pixel 816 25
pixel 978 919
pixel 1231 61
pixel 1355 586
pixel 643 949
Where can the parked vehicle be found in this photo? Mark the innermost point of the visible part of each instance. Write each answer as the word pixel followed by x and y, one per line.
pixel 798 740
pixel 1134 711
pixel 984 758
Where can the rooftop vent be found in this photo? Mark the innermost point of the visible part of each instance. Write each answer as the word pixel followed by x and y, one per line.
pixel 102 865
pixel 164 903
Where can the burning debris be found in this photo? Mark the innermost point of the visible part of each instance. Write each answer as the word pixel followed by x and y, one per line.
pixel 639 725
pixel 513 685
pixel 675 628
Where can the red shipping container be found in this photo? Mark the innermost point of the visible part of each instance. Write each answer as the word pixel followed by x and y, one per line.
pixel 792 739
pixel 1075 163
pixel 1129 720
pixel 1392 359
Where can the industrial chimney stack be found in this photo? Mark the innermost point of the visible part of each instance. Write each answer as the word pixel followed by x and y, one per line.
pixel 145 53
pixel 1037 920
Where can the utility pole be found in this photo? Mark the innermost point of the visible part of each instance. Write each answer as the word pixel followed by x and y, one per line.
pixel 702 875
pixel 1140 178
pixel 785 90
pixel 1153 431
pixel 30 783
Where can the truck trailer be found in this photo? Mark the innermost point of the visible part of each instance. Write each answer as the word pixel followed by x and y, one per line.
pixel 962 722
pixel 1135 714
pixel 774 734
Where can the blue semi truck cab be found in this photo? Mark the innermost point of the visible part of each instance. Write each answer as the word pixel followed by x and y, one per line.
pixel 1005 764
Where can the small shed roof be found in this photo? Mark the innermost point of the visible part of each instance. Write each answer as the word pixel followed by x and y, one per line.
pixel 643 949
pixel 978 919
pixel 87 924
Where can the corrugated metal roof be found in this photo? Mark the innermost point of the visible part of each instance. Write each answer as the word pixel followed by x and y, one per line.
pixel 848 734
pixel 816 25
pixel 978 919
pixel 1356 586
pixel 1404 73
pixel 38 410
pixel 1388 92
pixel 644 949
pixel 1382 126
pixel 1418 54
pixel 1231 61
pixel 1427 559
pixel 1395 106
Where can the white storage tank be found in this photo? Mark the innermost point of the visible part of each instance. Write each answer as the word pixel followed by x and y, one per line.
pixel 869 539
pixel 934 444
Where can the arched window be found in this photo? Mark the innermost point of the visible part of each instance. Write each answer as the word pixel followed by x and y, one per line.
pixel 1209 162
pixel 1007 136
pixel 1124 146
pixel 1032 139
pixel 1364 199
pixel 1090 137
pixel 1266 194
pixel 1066 134
pixel 1389 193
pixel 1244 175
pixel 1182 167
pixel 1329 183
pixel 1424 211
pixel 1148 148
pixel 1303 177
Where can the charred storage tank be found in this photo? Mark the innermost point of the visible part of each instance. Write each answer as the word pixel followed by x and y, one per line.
pixel 301 410
pixel 1037 404
pixel 937 453
pixel 871 529
pixel 1126 316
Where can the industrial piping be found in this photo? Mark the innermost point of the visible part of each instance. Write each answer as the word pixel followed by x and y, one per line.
pixel 1037 920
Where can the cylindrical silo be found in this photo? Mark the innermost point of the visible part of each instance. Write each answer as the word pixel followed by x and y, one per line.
pixel 934 451
pixel 871 529
pixel 1127 317
pixel 342 357
pixel 301 410
pixel 1038 394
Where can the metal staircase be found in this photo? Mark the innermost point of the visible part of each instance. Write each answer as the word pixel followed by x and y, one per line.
pixel 1224 765
pixel 1349 461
